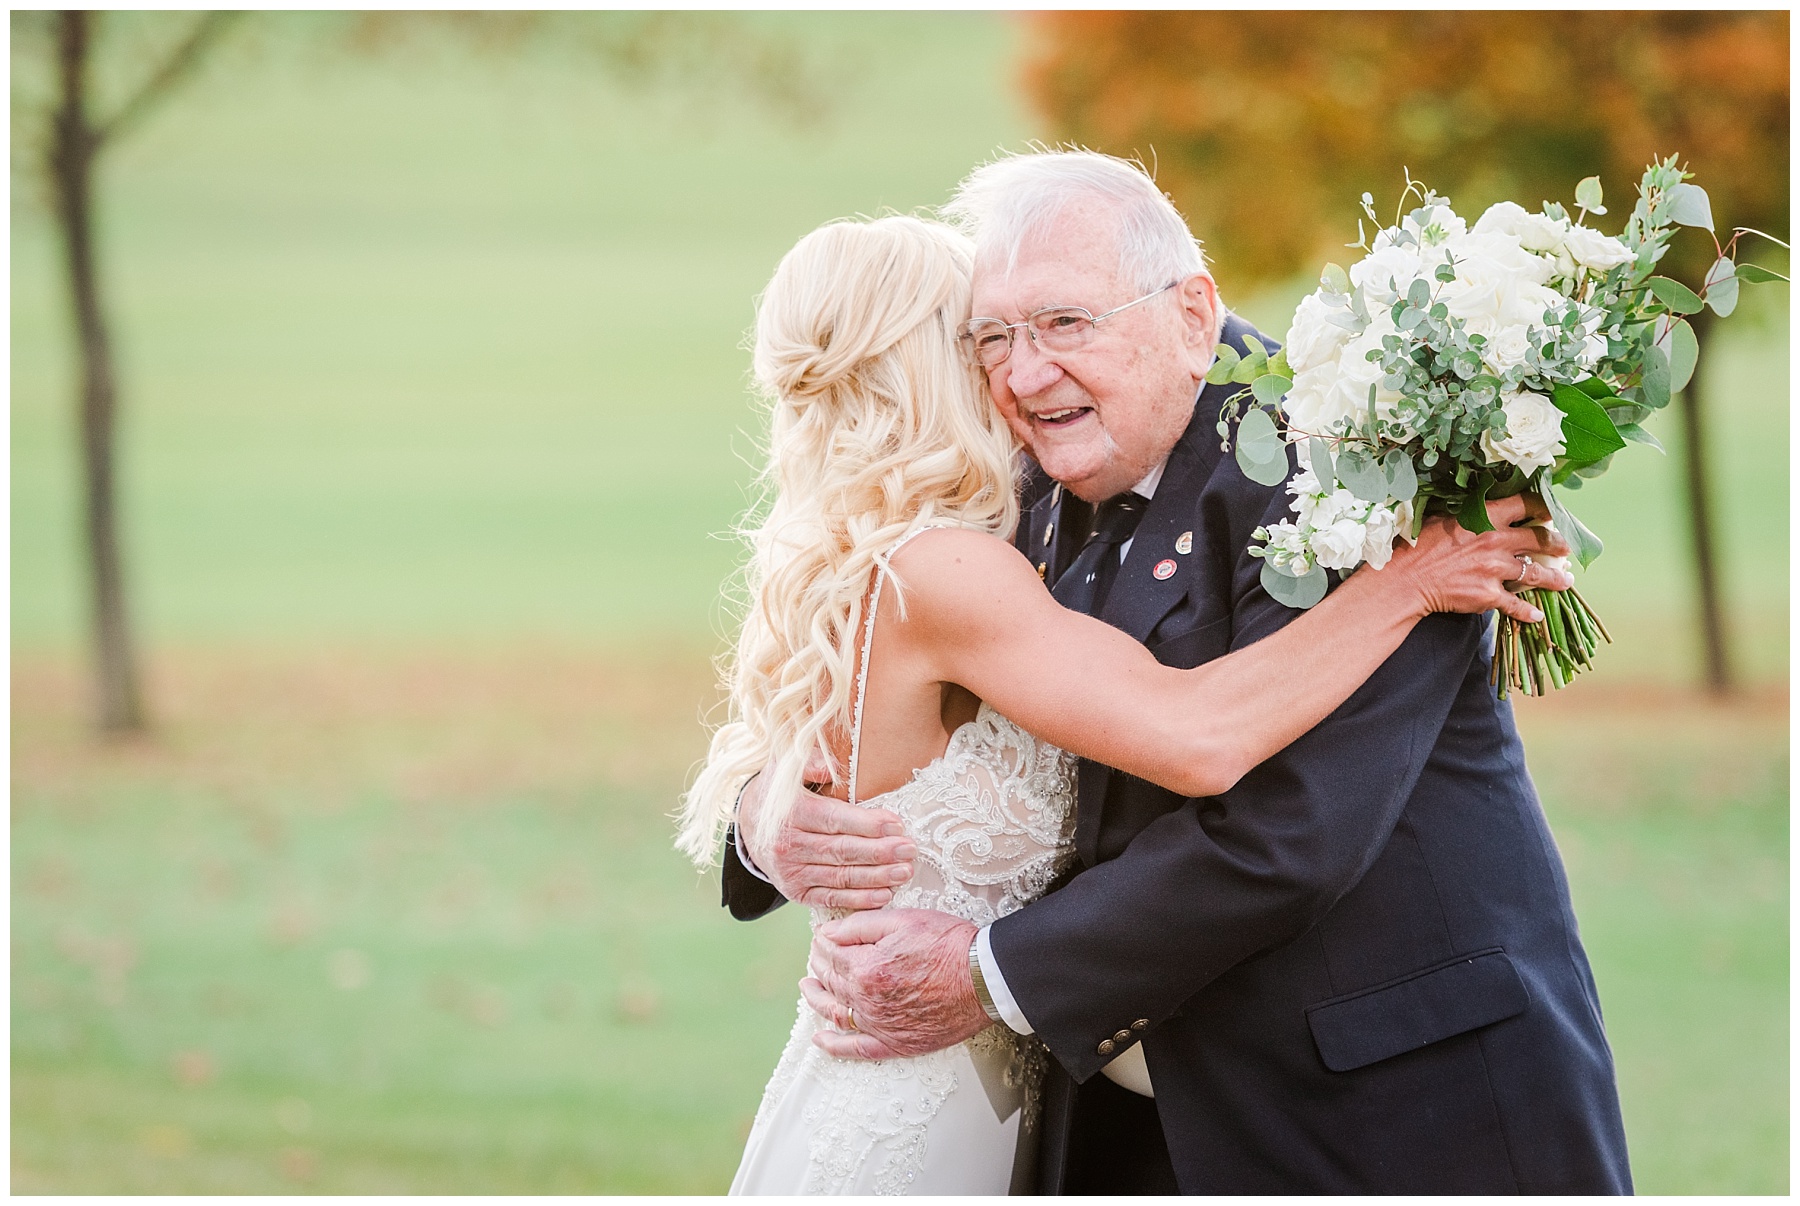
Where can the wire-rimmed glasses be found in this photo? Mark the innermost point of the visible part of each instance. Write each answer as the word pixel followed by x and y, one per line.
pixel 988 341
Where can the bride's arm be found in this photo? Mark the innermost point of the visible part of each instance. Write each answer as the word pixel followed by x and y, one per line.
pixel 977 612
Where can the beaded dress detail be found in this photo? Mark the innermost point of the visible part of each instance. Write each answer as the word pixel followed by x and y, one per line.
pixel 993 820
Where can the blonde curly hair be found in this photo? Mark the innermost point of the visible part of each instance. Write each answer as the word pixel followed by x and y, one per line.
pixel 877 425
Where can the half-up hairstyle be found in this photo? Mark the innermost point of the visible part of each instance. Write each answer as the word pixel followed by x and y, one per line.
pixel 877 425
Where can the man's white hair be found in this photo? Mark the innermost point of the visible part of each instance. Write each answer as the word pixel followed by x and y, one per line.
pixel 1005 204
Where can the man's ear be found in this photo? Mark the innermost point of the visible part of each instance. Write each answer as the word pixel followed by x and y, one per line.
pixel 1201 321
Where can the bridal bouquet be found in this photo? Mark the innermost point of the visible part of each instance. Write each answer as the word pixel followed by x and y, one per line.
pixel 1452 365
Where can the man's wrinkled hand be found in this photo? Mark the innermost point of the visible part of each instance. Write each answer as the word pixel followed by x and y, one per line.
pixel 893 983
pixel 830 854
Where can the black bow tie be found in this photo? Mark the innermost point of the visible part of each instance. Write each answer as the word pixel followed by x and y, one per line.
pixel 1085 584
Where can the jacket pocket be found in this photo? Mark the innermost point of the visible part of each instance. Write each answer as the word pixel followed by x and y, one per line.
pixel 1435 1003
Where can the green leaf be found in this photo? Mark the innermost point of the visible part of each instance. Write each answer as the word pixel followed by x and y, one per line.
pixel 1584 544
pixel 1300 593
pixel 1588 435
pixel 1260 452
pixel 1473 512
pixel 1402 479
pixel 1654 389
pixel 1224 363
pixel 1756 274
pixel 1638 435
pixel 1278 364
pixel 1362 475
pixel 1335 279
pixel 1628 412
pixel 1595 388
pixel 1323 469
pixel 1270 387
pixel 1722 294
pixel 1588 195
pixel 1684 354
pixel 1675 295
pixel 1688 205
pixel 1251 366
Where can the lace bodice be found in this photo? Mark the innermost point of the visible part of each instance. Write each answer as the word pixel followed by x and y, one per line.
pixel 993 815
pixel 993 820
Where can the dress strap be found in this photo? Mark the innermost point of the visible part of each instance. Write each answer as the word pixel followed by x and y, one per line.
pixel 882 570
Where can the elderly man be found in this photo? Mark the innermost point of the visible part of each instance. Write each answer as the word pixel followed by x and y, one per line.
pixel 1358 971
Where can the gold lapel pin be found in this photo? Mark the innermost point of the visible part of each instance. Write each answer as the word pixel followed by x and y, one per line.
pixel 1184 543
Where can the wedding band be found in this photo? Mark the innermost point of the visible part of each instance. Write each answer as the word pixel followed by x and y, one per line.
pixel 850 1016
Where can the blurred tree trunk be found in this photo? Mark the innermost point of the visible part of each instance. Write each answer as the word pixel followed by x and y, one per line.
pixel 76 139
pixel 1700 522
pixel 75 143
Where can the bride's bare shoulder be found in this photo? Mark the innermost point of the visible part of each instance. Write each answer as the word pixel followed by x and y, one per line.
pixel 950 571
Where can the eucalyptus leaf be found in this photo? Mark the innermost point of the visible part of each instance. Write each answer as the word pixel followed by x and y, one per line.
pixel 1250 367
pixel 1684 354
pixel 1675 295
pixel 1361 474
pixel 1584 544
pixel 1722 295
pixel 1654 389
pixel 1224 362
pixel 1596 469
pixel 1588 195
pixel 1638 435
pixel 1688 205
pixel 1323 469
pixel 1588 435
pixel 1402 479
pixel 1270 388
pixel 1300 593
pixel 1629 412
pixel 1259 449
pixel 1756 274
pixel 1335 279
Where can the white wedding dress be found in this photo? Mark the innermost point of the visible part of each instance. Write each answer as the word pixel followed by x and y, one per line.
pixel 993 818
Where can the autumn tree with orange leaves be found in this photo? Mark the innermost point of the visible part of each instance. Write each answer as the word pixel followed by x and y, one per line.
pixel 1266 126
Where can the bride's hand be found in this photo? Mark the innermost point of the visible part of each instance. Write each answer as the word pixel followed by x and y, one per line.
pixel 1453 569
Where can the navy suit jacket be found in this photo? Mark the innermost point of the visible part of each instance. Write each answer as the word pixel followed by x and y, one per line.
pixel 1357 971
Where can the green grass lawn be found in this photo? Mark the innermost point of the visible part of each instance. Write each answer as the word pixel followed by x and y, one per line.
pixel 434 410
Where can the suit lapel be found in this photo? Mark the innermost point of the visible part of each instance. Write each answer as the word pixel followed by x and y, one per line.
pixel 1155 575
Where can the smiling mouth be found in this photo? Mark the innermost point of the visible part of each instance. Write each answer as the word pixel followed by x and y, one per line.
pixel 1061 418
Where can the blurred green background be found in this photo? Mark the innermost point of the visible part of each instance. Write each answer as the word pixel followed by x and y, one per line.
pixel 434 422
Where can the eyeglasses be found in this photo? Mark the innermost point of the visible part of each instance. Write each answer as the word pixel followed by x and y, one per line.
pixel 988 341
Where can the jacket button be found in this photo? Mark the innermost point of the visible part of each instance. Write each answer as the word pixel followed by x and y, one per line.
pixel 1124 1036
pixel 1106 1047
pixel 1141 1024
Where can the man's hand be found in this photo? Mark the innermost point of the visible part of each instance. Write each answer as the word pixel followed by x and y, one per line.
pixel 901 975
pixel 829 853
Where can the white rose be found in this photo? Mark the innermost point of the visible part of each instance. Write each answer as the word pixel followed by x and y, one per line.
pixel 1532 437
pixel 1339 546
pixel 1385 273
pixel 1534 232
pixel 1506 348
pixel 1594 251
pixel 1311 404
pixel 1314 339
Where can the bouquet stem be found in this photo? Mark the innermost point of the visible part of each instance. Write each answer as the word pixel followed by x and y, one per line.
pixel 1543 657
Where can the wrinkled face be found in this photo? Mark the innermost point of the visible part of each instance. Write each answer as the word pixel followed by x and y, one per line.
pixel 1097 419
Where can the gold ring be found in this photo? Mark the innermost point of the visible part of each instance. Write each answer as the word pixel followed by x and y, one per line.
pixel 850 1015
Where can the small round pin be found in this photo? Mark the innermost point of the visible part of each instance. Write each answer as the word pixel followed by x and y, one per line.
pixel 1164 569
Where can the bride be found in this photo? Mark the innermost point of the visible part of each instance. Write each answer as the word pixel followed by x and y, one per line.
pixel 895 637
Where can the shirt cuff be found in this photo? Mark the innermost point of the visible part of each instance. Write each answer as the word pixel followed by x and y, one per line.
pixel 737 838
pixel 996 984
